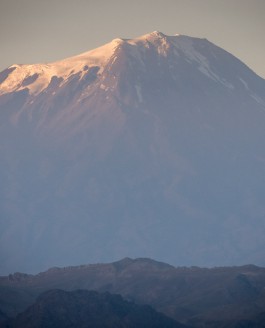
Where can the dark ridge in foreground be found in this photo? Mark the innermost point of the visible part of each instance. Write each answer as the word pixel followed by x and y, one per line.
pixel 199 297
pixel 87 309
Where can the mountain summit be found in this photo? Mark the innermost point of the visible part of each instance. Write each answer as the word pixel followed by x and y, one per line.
pixel 149 147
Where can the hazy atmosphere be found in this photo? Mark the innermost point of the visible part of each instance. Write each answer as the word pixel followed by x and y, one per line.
pixel 147 144
pixel 35 31
pixel 132 176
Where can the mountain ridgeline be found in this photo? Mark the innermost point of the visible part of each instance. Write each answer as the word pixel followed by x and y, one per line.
pixel 231 297
pixel 150 147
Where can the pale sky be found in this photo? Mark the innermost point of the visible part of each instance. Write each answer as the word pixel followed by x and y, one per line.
pixel 33 31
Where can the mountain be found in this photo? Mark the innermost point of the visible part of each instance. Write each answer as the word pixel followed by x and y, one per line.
pixel 150 147
pixel 3 319
pixel 87 309
pixel 197 297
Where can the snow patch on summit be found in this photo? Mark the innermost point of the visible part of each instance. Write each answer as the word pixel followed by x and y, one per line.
pixel 185 45
pixel 244 83
pixel 61 69
pixel 139 93
pixel 258 100
pixel 156 38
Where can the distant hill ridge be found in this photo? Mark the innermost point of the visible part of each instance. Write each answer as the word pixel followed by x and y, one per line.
pixel 220 297
pixel 88 309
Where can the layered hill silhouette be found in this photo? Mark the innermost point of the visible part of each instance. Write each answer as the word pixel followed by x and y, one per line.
pixel 145 147
pixel 88 309
pixel 198 297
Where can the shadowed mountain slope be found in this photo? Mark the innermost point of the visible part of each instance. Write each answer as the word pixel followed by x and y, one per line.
pixel 87 309
pixel 150 147
pixel 218 297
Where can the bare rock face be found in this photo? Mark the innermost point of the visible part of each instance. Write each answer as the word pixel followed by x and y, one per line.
pixel 150 147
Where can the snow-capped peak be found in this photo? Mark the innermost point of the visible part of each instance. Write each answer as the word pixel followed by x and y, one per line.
pixel 155 34
pixel 198 53
pixel 37 77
